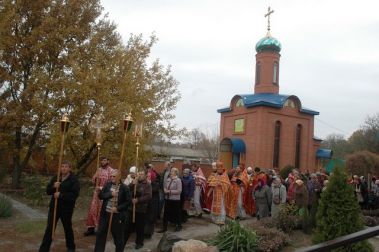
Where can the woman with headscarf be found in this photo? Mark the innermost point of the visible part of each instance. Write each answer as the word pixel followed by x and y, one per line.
pixel 131 176
pixel 262 196
pixel 279 196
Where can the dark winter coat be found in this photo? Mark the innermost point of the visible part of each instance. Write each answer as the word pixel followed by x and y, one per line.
pixel 188 189
pixel 123 199
pixel 143 195
pixel 69 191
pixel 301 196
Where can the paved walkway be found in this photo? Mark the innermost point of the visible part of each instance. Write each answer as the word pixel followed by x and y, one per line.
pixel 29 212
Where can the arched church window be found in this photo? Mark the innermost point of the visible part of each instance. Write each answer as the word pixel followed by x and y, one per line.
pixel 275 73
pixel 258 73
pixel 298 145
pixel 278 125
pixel 239 103
pixel 226 145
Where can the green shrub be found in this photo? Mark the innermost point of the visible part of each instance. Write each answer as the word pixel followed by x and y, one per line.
pixel 339 213
pixel 234 237
pixel 5 207
pixel 35 189
pixel 285 171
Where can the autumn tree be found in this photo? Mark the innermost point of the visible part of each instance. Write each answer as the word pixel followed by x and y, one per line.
pixel 66 56
pixel 207 142
pixel 367 137
pixel 362 163
pixel 338 144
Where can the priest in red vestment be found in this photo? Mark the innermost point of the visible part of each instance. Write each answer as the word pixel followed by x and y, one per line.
pixel 103 175
pixel 249 203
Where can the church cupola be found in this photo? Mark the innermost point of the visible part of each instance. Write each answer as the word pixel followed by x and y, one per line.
pixel 267 62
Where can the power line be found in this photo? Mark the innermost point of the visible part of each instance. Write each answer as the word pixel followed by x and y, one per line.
pixel 331 126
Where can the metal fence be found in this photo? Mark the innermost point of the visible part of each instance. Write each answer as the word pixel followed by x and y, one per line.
pixel 343 240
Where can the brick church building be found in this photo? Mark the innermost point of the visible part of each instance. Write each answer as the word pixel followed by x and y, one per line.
pixel 268 129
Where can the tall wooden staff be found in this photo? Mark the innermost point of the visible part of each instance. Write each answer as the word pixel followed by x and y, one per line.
pixel 127 125
pixel 138 134
pixel 97 126
pixel 64 123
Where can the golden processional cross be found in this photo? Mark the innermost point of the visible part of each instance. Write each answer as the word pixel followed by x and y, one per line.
pixel 269 12
pixel 97 126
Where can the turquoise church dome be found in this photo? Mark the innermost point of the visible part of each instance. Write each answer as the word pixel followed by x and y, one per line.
pixel 268 43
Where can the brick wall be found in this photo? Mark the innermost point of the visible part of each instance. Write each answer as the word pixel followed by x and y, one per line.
pixel 259 135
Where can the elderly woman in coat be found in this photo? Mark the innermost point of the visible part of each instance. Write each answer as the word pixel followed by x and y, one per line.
pixel 262 196
pixel 279 196
pixel 172 210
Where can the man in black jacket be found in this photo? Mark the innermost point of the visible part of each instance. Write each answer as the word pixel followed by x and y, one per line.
pixel 67 193
pixel 141 200
pixel 116 199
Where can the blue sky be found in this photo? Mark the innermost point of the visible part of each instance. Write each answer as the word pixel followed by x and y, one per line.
pixel 329 57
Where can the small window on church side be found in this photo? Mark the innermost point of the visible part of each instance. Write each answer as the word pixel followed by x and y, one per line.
pixel 239 103
pixel 257 73
pixel 275 73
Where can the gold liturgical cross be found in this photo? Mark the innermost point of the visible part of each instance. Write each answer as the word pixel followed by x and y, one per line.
pixel 269 12
pixel 98 126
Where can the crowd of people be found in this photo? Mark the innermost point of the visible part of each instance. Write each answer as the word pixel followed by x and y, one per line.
pixel 136 203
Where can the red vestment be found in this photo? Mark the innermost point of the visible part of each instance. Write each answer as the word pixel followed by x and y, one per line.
pixel 207 198
pixel 103 175
pixel 249 203
pixel 220 185
pixel 232 195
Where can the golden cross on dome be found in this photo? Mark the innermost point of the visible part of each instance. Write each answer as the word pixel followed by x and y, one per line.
pixel 269 12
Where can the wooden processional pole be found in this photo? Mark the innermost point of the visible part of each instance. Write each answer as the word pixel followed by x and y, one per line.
pixel 127 125
pixel 138 134
pixel 64 124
